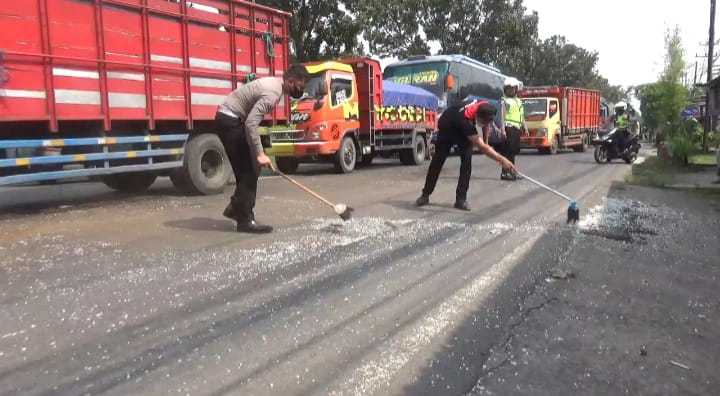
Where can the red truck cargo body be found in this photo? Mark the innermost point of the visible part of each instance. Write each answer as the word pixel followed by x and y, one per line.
pixel 149 60
pixel 560 117
pixel 580 108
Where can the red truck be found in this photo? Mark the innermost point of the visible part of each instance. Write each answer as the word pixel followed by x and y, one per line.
pixel 127 90
pixel 350 115
pixel 560 117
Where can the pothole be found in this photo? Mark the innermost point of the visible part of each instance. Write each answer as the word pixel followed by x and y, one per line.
pixel 627 221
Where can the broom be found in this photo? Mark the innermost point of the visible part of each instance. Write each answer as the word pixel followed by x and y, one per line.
pixel 342 210
pixel 573 212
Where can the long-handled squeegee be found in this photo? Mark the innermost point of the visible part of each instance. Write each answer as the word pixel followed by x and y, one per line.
pixel 344 211
pixel 573 212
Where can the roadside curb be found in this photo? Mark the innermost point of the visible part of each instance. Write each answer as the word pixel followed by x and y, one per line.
pixel 692 187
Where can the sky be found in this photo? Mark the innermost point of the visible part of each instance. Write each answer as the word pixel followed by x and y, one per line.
pixel 641 61
pixel 602 25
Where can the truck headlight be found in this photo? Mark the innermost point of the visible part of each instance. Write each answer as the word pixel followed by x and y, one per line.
pixel 542 132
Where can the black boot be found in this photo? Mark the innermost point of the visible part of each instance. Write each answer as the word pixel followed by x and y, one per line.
pixel 462 205
pixel 253 227
pixel 230 213
pixel 506 175
pixel 423 200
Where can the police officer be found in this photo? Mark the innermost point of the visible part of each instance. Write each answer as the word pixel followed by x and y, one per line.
pixel 457 126
pixel 621 122
pixel 512 123
pixel 238 118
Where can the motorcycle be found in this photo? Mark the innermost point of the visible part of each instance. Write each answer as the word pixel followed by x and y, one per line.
pixel 606 148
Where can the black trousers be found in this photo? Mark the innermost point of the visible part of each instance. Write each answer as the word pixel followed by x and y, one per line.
pixel 442 150
pixel 511 146
pixel 622 137
pixel 234 139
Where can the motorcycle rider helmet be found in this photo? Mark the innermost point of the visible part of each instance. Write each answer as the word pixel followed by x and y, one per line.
pixel 621 105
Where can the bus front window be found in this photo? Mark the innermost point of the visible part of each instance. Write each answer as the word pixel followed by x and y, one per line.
pixel 428 76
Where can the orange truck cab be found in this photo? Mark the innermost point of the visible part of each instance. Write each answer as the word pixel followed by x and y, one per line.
pixel 349 115
pixel 560 117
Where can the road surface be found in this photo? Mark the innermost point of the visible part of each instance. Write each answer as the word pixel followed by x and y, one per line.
pixel 105 293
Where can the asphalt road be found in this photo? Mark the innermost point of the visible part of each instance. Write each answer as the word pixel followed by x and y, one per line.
pixel 105 293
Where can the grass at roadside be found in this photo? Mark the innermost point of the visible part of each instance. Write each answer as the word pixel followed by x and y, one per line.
pixel 703 159
pixel 652 172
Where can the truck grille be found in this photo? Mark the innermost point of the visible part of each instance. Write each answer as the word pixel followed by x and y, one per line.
pixel 288 136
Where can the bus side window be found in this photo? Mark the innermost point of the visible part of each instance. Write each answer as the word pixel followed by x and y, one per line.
pixel 466 80
pixel 453 94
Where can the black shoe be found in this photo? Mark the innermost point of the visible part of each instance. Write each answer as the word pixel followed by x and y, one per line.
pixel 462 205
pixel 229 212
pixel 254 227
pixel 423 200
pixel 508 176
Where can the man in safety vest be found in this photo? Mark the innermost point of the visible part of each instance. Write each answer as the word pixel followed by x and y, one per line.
pixel 512 124
pixel 621 122
pixel 457 127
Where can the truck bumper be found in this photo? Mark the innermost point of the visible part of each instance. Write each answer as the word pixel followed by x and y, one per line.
pixel 534 142
pixel 301 149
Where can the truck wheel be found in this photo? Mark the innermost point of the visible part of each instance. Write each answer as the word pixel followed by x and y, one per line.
pixel 585 142
pixel 552 150
pixel 206 167
pixel 287 165
pixel 415 155
pixel 346 157
pixel 130 182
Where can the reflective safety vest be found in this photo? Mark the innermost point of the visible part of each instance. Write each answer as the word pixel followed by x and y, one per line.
pixel 622 122
pixel 514 113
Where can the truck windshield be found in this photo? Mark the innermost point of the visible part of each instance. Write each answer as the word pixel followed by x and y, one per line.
pixel 535 107
pixel 429 76
pixel 312 87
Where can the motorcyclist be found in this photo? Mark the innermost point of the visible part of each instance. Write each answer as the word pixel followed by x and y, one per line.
pixel 621 122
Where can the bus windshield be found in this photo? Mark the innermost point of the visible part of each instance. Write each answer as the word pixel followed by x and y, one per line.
pixel 429 76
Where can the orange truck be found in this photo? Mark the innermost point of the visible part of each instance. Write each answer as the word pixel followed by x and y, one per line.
pixel 560 117
pixel 349 115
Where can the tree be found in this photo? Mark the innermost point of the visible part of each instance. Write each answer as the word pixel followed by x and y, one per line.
pixel 663 101
pixel 676 95
pixel 319 29
pixel 390 28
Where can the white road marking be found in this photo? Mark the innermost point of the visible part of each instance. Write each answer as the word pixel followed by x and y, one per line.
pixel 398 352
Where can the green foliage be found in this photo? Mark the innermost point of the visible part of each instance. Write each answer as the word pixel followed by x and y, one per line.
pixel 681 147
pixel 319 29
pixel 500 32
pixel 662 102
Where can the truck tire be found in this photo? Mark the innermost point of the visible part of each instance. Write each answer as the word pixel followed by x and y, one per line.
pixel 346 156
pixel 206 168
pixel 130 182
pixel 552 150
pixel 585 142
pixel 287 165
pixel 415 155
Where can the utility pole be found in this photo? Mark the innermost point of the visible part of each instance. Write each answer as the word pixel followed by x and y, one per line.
pixel 711 42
